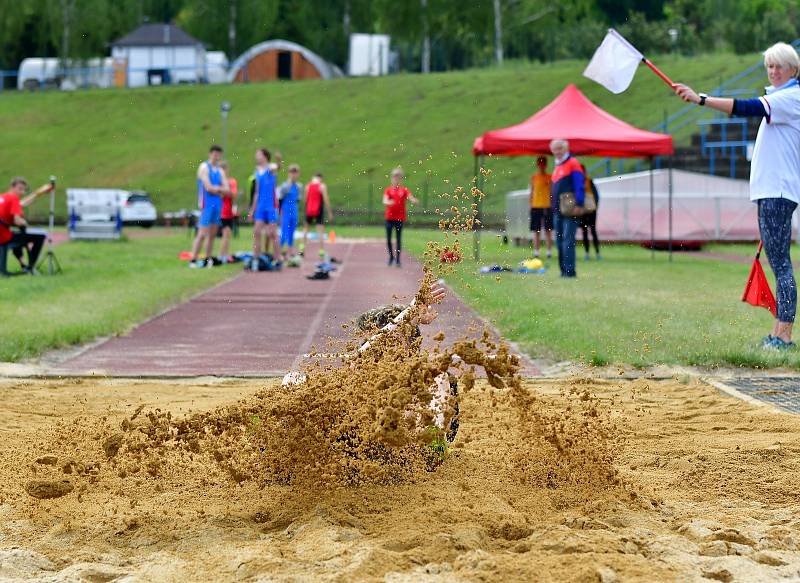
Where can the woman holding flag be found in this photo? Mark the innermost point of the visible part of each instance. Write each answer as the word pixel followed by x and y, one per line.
pixel 775 166
pixel 774 172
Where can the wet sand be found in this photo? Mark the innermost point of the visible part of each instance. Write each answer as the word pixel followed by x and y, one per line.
pixel 710 493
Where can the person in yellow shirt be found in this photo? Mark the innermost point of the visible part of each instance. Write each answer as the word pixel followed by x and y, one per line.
pixel 541 210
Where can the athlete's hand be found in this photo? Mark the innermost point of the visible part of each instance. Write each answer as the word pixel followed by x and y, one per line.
pixel 427 315
pixel 250 216
pixel 437 293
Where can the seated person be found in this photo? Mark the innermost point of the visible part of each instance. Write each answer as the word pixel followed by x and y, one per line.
pixel 11 215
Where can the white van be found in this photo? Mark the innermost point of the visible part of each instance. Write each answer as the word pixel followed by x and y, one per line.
pixel 138 209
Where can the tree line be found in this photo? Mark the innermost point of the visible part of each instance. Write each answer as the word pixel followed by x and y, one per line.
pixel 428 35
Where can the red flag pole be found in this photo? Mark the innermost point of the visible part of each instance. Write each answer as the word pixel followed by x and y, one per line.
pixel 658 72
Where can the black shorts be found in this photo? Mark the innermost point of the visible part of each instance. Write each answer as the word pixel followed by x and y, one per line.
pixel 227 223
pixel 315 219
pixel 541 219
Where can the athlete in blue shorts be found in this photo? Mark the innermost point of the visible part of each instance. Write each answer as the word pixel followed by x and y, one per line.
pixel 289 195
pixel 264 210
pixel 212 184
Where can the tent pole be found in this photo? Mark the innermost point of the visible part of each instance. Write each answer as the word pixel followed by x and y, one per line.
pixel 670 208
pixel 652 220
pixel 476 235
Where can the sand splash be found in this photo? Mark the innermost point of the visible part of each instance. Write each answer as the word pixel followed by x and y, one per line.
pixel 364 419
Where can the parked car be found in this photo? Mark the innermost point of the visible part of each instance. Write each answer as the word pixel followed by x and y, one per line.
pixel 138 209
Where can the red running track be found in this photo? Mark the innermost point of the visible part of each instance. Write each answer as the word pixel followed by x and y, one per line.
pixel 260 324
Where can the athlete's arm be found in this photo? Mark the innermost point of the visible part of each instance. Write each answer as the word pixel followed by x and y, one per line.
pixel 225 187
pixel 202 175
pixel 32 196
pixel 386 200
pixel 255 200
pixel 411 197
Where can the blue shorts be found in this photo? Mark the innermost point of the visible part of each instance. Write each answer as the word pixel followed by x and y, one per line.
pixel 211 213
pixel 266 215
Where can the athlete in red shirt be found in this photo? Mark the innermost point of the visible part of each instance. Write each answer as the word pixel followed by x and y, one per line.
pixel 394 198
pixel 228 215
pixel 316 204
pixel 11 214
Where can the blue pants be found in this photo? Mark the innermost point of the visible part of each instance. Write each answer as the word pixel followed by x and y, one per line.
pixel 288 226
pixel 565 228
pixel 775 225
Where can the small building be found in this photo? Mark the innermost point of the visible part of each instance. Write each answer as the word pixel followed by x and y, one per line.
pixel 280 59
pixel 158 54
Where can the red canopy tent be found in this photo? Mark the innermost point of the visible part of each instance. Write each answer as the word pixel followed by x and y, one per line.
pixel 572 117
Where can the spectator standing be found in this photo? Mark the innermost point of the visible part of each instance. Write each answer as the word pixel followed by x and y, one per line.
pixel 228 214
pixel 394 199
pixel 264 209
pixel 316 204
pixel 541 215
pixel 774 172
pixel 211 185
pixel 568 181
pixel 289 196
pixel 588 220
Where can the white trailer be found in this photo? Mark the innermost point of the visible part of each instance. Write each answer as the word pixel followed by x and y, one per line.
pixel 369 55
pixel 95 213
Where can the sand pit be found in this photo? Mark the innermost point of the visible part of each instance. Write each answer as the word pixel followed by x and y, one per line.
pixel 710 493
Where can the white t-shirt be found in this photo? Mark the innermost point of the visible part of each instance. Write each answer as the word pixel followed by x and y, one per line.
pixel 775 168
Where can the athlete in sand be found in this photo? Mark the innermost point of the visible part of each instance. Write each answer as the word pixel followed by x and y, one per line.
pixel 389 318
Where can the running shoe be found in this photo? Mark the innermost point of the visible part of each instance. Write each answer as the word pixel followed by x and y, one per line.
pixel 194 264
pixel 767 340
pixel 391 260
pixel 779 344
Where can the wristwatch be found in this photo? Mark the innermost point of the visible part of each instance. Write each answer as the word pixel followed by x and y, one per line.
pixel 703 98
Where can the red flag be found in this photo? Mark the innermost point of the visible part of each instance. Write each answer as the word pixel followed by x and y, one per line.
pixel 757 292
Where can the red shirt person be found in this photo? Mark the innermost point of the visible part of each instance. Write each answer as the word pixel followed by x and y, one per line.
pixel 394 199
pixel 11 214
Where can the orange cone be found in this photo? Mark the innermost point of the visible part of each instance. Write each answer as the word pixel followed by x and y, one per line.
pixel 332 236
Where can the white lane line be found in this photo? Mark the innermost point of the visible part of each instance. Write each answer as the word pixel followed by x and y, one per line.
pixel 316 323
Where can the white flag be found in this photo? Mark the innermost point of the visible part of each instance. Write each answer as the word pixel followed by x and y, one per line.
pixel 614 63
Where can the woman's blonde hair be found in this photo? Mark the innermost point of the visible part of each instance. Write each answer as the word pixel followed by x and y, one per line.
pixel 783 55
pixel 398 172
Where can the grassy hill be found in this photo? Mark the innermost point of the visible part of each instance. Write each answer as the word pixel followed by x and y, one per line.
pixel 353 130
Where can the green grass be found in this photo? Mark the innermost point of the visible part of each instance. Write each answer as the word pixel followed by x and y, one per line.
pixel 106 288
pixel 626 309
pixel 353 130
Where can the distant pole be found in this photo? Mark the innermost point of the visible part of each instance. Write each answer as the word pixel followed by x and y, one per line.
pixel 369 197
pixel 670 208
pixel 652 219
pixel 225 109
pixel 498 32
pixel 476 235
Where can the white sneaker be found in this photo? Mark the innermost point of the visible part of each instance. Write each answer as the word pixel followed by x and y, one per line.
pixel 254 264
pixel 194 264
pixel 536 254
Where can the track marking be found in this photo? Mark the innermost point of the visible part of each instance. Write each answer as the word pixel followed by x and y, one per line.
pixel 305 346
